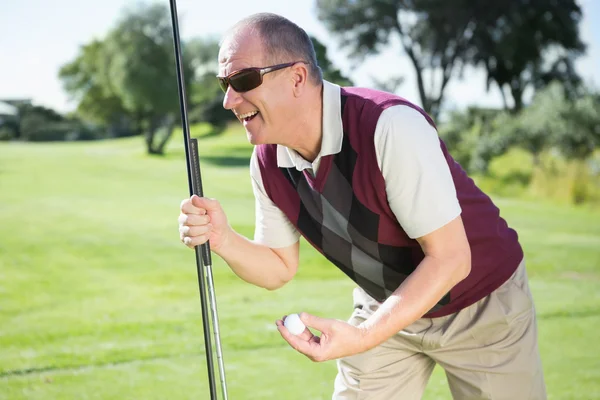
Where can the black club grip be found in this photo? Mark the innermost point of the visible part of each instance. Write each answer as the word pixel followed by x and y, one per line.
pixel 197 190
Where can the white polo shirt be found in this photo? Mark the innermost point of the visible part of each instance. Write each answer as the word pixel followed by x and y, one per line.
pixel 418 183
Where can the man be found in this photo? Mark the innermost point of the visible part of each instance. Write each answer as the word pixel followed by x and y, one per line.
pixel 364 177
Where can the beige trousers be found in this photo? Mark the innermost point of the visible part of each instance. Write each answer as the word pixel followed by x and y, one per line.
pixel 488 351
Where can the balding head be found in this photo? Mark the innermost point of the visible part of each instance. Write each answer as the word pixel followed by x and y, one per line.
pixel 281 40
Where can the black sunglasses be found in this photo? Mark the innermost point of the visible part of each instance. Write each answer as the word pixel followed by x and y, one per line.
pixel 249 78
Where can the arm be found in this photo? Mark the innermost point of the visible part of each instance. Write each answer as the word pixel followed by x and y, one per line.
pixel 447 261
pixel 422 195
pixel 269 261
pixel 259 264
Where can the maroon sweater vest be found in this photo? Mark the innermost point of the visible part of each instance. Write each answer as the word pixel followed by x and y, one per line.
pixel 344 213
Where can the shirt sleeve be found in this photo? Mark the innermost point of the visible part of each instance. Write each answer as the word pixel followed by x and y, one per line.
pixel 272 227
pixel 418 182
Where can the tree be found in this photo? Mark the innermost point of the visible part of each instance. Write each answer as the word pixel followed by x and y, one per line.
pixel 514 40
pixel 33 119
pixel 142 71
pixel 431 33
pixel 474 137
pixel 525 43
pixel 129 77
pixel 581 134
pixel 206 96
pixel 86 80
pixel 330 72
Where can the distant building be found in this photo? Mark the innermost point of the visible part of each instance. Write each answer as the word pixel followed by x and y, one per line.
pixel 17 102
pixel 9 117
pixel 8 110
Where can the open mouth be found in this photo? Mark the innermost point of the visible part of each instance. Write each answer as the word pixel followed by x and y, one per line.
pixel 248 116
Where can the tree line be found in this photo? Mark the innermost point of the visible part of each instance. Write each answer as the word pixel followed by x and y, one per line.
pixel 125 83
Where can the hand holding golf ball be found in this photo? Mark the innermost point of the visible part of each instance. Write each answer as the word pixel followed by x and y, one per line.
pixel 338 338
pixel 294 324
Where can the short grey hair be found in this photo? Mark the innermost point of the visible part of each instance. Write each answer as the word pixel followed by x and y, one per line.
pixel 283 41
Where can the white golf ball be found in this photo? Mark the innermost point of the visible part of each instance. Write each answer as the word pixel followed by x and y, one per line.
pixel 294 324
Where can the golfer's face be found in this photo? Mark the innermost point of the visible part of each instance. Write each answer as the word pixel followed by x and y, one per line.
pixel 262 109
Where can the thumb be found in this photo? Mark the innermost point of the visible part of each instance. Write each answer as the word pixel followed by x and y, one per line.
pixel 206 203
pixel 312 321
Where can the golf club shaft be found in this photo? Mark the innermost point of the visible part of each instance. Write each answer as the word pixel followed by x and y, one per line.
pixel 201 259
pixel 217 333
pixel 195 185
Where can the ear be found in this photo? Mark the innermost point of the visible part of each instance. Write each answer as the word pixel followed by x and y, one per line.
pixel 299 78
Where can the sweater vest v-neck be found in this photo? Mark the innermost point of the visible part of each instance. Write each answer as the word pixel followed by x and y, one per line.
pixel 343 212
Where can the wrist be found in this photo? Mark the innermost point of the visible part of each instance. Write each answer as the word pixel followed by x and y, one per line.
pixel 225 243
pixel 367 341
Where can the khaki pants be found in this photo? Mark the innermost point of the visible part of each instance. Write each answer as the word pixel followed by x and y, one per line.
pixel 488 350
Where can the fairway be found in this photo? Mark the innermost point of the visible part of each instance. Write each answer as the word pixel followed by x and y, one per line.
pixel 99 299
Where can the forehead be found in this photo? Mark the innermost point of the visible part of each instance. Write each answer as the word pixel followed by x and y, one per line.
pixel 242 49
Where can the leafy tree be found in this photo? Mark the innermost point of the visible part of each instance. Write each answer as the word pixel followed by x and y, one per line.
pixel 86 80
pixel 37 123
pixel 330 72
pixel 551 122
pixel 142 71
pixel 513 40
pixel 524 43
pixel 129 79
pixel 580 135
pixel 206 96
pixel 431 33
pixel 34 118
pixel 554 121
pixel 472 139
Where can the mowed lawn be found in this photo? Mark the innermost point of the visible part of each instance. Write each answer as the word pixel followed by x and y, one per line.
pixel 99 299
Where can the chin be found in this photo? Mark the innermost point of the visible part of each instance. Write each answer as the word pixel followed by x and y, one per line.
pixel 255 138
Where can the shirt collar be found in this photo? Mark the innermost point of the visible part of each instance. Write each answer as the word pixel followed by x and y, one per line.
pixel 333 134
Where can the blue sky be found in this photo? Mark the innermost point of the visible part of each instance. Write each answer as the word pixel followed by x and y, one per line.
pixel 38 36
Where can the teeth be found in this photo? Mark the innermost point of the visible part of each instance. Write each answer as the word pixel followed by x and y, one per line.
pixel 248 115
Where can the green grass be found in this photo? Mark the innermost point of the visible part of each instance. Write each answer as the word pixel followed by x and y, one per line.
pixel 99 299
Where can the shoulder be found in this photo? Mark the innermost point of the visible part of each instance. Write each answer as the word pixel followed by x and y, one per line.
pixel 387 105
pixel 404 133
pixel 406 123
pixel 408 115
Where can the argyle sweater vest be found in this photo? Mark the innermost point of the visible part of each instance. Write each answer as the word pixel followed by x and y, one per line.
pixel 343 212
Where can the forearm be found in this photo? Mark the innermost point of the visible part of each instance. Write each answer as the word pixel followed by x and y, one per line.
pixel 256 263
pixel 432 279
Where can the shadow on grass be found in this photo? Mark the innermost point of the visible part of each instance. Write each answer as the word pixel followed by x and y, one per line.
pixel 133 360
pixel 210 133
pixel 227 161
pixel 570 314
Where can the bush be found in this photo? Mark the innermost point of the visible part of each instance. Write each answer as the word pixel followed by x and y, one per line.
pixel 61 131
pixel 508 175
pixel 565 181
pixel 554 178
pixel 6 133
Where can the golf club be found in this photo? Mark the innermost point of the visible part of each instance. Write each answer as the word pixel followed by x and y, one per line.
pixel 203 256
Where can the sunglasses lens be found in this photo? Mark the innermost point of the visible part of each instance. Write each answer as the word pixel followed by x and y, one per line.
pixel 223 84
pixel 245 81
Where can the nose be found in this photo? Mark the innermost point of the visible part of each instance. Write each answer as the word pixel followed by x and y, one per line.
pixel 232 99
